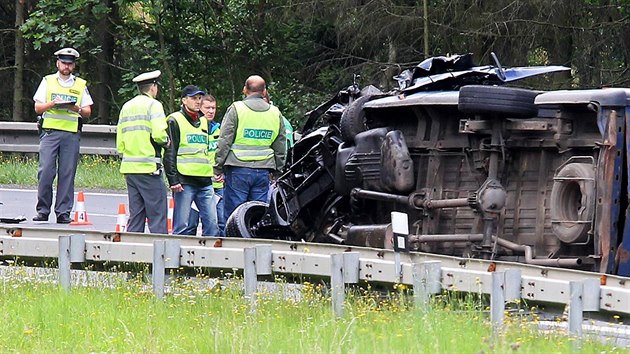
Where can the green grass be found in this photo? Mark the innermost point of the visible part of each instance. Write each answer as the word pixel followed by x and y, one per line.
pixel 39 317
pixel 92 172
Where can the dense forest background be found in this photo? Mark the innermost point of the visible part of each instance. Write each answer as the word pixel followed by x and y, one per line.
pixel 306 49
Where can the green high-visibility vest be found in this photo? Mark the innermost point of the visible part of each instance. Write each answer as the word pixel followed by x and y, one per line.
pixel 192 155
pixel 289 132
pixel 213 139
pixel 140 122
pixel 255 133
pixel 62 118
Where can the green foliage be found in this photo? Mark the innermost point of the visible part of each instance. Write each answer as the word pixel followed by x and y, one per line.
pixel 308 50
pixel 212 316
pixel 59 22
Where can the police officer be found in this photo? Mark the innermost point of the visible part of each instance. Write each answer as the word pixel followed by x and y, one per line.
pixel 252 144
pixel 62 100
pixel 188 165
pixel 140 136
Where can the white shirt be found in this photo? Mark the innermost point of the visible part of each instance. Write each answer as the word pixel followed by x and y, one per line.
pixel 40 94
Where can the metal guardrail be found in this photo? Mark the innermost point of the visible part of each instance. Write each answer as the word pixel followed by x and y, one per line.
pixel 426 273
pixel 23 137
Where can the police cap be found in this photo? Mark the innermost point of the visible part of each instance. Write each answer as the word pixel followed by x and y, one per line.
pixel 148 78
pixel 67 55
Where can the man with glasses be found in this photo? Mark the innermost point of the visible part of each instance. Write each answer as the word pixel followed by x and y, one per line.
pixel 62 100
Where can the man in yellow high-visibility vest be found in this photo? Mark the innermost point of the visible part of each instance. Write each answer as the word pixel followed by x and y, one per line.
pixel 140 138
pixel 252 144
pixel 63 101
pixel 188 165
pixel 209 109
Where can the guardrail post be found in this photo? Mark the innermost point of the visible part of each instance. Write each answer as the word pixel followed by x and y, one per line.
pixel 64 262
pixel 71 250
pixel 426 281
pixel 77 248
pixel 576 307
pixel 159 267
pixel 497 301
pixel 512 284
pixel 249 273
pixel 257 261
pixel 172 257
pixel 351 267
pixel 264 257
pixel 591 294
pixel 337 283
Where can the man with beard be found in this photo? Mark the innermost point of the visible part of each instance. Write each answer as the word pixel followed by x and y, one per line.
pixel 63 101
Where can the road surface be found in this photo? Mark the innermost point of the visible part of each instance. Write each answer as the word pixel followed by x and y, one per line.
pixel 101 208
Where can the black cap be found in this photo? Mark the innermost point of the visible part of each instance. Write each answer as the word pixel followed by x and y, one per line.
pixel 192 90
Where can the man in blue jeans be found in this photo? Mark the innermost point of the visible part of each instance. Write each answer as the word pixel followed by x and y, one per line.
pixel 252 144
pixel 189 166
pixel 209 109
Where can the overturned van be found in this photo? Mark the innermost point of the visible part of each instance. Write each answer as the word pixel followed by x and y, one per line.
pixel 481 170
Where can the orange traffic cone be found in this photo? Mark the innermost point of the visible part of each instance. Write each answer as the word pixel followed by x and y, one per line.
pixel 169 216
pixel 80 215
pixel 121 220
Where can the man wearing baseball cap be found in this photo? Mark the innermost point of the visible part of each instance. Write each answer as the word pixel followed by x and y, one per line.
pixel 188 165
pixel 63 101
pixel 140 137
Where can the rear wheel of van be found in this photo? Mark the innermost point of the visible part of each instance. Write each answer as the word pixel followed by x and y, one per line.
pixel 572 204
pixel 497 100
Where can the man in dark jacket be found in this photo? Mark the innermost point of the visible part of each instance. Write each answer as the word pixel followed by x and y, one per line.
pixel 189 166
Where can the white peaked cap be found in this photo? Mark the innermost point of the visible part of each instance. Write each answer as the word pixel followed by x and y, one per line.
pixel 151 76
pixel 67 55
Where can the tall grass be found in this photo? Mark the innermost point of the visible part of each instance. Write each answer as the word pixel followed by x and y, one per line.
pixel 39 317
pixel 92 172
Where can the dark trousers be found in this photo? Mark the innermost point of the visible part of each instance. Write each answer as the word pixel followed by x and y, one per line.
pixel 58 157
pixel 147 200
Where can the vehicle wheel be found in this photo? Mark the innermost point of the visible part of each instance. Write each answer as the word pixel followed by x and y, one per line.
pixel 572 202
pixel 503 101
pixel 243 220
pixel 353 119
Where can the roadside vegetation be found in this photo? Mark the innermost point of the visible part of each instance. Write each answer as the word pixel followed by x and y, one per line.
pixel 93 172
pixel 38 316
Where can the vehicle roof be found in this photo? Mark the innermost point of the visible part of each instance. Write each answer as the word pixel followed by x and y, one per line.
pixel 603 97
pixel 449 98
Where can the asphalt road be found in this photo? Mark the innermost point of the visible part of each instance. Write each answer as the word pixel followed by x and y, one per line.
pixel 101 208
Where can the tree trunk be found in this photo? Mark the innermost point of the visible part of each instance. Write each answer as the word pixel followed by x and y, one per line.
pixel 18 83
pixel 102 90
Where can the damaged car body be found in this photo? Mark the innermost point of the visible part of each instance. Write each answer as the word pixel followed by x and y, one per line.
pixel 482 170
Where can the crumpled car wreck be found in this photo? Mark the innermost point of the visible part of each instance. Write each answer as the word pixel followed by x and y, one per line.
pixel 482 170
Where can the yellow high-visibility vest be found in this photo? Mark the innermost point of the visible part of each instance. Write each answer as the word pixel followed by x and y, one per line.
pixel 255 133
pixel 141 122
pixel 192 155
pixel 61 118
